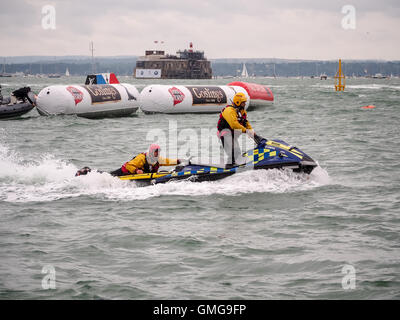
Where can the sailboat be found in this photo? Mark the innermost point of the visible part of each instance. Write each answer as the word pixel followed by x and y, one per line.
pixel 4 74
pixel 244 72
pixel 67 73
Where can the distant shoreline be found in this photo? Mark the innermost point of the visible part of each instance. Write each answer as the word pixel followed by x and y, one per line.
pixel 271 67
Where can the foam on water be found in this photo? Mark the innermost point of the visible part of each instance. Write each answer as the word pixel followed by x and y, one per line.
pixel 274 181
pixel 46 169
pixel 48 179
pixel 360 86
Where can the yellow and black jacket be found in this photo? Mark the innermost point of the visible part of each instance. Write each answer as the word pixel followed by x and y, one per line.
pixel 231 119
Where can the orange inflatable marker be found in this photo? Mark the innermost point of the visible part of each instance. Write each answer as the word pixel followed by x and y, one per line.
pixel 368 107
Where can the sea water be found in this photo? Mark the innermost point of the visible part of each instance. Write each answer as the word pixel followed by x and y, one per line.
pixel 265 234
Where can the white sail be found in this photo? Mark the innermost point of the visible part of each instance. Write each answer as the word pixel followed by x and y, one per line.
pixel 244 72
pixel 67 73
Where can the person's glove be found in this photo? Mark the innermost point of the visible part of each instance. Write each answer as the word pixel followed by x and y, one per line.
pixel 184 161
pixel 250 133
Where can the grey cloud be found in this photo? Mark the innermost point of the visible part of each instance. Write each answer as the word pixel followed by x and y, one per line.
pixel 307 28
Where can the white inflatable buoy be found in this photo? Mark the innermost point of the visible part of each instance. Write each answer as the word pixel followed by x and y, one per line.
pixel 90 101
pixel 187 99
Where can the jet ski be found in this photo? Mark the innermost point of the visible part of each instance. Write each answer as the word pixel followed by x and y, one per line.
pixel 24 102
pixel 271 154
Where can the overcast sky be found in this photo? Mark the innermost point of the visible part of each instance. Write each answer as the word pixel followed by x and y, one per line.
pixel 292 29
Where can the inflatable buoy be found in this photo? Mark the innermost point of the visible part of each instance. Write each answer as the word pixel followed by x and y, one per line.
pixel 101 96
pixel 89 101
pixel 259 94
pixel 187 99
pixel 368 107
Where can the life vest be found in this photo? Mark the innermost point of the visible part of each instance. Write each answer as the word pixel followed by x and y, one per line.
pixel 147 168
pixel 223 124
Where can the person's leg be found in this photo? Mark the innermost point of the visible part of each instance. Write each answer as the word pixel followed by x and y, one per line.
pixel 236 152
pixel 13 100
pixel 118 173
pixel 227 145
pixel 222 155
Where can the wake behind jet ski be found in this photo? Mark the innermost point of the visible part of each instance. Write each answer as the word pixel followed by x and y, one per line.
pixel 271 154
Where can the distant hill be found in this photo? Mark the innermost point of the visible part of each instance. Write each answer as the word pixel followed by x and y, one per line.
pixel 124 65
pixel 60 59
pixel 290 68
pixel 257 60
pixel 277 60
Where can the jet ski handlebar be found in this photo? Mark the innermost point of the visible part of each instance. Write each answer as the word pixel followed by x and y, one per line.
pixel 259 140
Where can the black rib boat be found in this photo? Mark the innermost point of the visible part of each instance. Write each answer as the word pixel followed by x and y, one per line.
pixel 25 103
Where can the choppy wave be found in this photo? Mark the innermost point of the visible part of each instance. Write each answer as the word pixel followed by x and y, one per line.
pixel 255 235
pixel 372 86
pixel 48 179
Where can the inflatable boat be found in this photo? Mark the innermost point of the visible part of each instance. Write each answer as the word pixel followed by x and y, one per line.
pixel 24 103
pixel 260 95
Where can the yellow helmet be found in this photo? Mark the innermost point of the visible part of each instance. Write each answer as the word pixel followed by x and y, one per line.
pixel 239 98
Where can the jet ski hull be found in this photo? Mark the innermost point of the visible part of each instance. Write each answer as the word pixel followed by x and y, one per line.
pixel 275 154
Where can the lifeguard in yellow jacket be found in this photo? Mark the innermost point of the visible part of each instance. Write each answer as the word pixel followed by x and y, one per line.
pixel 145 162
pixel 233 120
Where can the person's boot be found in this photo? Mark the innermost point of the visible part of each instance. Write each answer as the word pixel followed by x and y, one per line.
pixel 83 171
pixel 230 165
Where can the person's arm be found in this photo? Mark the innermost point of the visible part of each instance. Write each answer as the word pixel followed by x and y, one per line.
pixel 230 116
pixel 248 125
pixel 167 161
pixel 136 164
